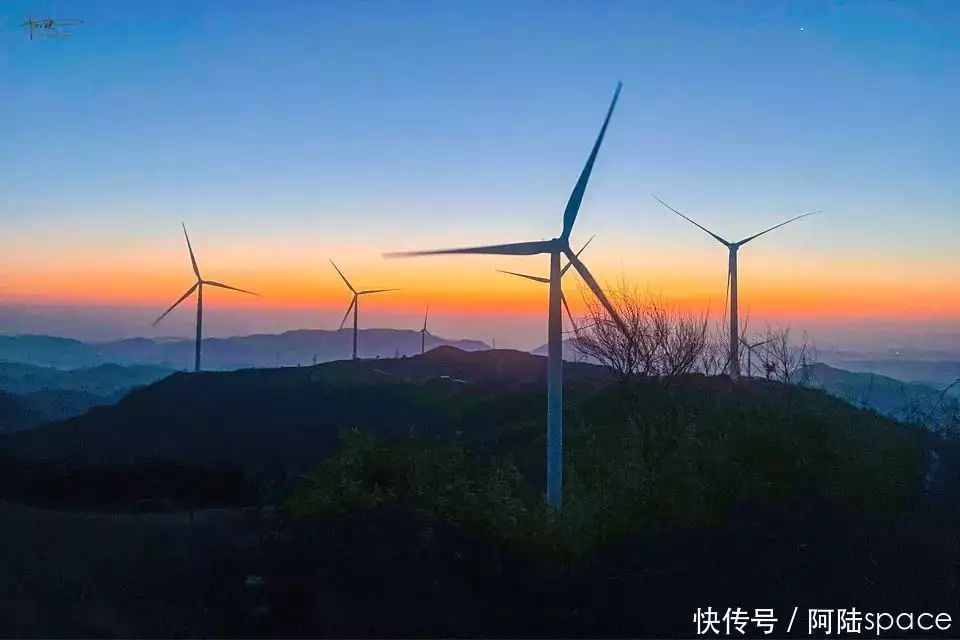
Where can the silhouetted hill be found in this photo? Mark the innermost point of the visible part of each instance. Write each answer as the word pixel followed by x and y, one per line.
pixel 911 402
pixel 49 405
pixel 101 380
pixel 47 394
pixel 427 473
pixel 23 411
pixel 275 423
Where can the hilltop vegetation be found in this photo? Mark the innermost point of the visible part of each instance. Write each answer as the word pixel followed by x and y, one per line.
pixel 404 497
pixel 661 459
pixel 276 424
pixel 710 440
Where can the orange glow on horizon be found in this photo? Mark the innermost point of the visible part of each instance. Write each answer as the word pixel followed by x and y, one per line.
pixel 472 289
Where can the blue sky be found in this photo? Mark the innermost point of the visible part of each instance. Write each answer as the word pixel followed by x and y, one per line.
pixel 358 127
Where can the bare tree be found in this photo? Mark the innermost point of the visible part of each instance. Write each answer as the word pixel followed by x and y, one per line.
pixel 598 338
pixel 715 355
pixel 785 361
pixel 660 340
pixel 683 337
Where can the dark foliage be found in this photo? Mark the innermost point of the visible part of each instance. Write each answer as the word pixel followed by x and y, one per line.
pixel 425 518
pixel 138 487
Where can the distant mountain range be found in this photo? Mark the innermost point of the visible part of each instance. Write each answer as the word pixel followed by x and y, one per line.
pixel 903 401
pixel 31 395
pixel 293 348
pixel 570 352
pixel 46 378
pixel 937 373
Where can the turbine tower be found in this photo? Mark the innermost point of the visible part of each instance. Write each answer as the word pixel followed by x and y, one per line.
pixel 733 247
pixel 355 305
pixel 543 280
pixel 554 248
pixel 198 287
pixel 424 332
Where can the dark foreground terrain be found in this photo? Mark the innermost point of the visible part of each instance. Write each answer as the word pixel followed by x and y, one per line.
pixel 403 498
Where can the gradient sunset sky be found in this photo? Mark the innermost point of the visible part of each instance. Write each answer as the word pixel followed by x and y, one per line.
pixel 288 133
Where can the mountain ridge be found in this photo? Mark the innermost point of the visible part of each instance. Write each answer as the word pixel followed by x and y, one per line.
pixel 290 348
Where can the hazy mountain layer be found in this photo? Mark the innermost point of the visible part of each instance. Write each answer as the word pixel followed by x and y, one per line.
pixel 905 401
pixel 34 395
pixel 293 348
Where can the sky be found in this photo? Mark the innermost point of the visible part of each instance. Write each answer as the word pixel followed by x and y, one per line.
pixel 289 135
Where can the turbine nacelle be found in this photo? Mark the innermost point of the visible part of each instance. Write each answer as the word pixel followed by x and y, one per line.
pixel 543 280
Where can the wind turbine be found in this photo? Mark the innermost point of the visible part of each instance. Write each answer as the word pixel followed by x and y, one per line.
pixel 543 280
pixel 733 247
pixel 424 332
pixel 198 287
pixel 554 248
pixel 355 305
pixel 750 347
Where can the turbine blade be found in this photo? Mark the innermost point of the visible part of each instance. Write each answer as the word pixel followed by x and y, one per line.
pixel 369 291
pixel 193 259
pixel 573 204
pixel 512 249
pixel 566 306
pixel 345 281
pixel 585 245
pixel 226 286
pixel 718 238
pixel 349 309
pixel 523 275
pixel 176 304
pixel 746 240
pixel 597 291
pixel 425 316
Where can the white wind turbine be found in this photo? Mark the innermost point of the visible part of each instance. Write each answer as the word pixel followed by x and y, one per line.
pixel 543 280
pixel 554 248
pixel 198 287
pixel 355 305
pixel 733 247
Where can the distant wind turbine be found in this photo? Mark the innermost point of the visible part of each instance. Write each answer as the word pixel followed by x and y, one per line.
pixel 355 305
pixel 198 287
pixel 554 248
pixel 732 279
pixel 424 332
pixel 543 280
pixel 750 347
